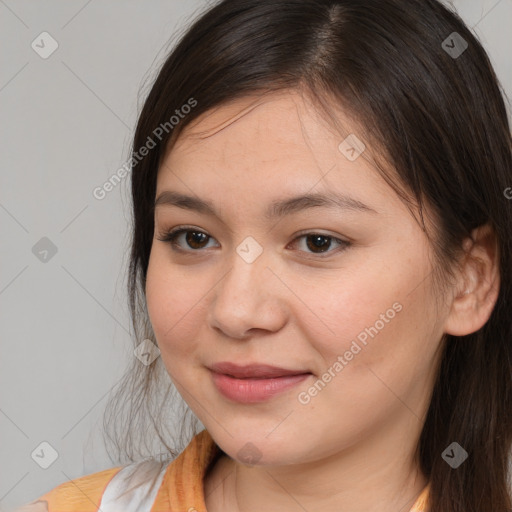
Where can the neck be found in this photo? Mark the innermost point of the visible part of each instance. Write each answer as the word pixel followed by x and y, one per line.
pixel 376 474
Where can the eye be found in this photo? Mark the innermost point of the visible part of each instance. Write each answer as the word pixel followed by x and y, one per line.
pixel 196 239
pixel 319 243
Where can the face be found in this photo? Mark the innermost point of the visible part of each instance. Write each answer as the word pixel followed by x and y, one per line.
pixel 339 292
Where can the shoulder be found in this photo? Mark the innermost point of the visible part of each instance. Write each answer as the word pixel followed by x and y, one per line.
pixel 136 487
pixel 82 494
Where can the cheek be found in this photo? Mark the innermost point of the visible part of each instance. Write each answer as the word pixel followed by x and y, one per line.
pixel 345 309
pixel 176 305
pixel 371 317
pixel 373 364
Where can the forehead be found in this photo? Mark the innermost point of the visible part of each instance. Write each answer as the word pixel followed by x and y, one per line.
pixel 286 117
pixel 277 143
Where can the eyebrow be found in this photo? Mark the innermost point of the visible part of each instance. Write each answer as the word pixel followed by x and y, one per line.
pixel 278 208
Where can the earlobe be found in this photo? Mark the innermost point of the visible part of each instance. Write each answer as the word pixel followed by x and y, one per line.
pixel 479 284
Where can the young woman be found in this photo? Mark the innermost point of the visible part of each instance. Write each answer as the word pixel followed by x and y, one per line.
pixel 322 252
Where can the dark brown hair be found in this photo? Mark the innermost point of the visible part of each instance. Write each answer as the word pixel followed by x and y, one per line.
pixel 438 118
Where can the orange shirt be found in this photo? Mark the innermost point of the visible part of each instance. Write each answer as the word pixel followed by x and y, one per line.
pixel 175 486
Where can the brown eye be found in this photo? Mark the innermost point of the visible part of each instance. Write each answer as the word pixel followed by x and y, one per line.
pixel 319 244
pixel 315 242
pixel 194 239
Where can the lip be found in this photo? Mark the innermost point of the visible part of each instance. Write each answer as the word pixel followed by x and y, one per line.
pixel 254 371
pixel 254 383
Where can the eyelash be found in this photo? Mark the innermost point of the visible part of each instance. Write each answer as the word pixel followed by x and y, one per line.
pixel 171 235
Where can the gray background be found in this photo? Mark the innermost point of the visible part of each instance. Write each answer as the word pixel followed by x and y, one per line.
pixel 67 121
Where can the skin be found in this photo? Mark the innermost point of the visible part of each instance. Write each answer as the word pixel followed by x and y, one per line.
pixel 296 308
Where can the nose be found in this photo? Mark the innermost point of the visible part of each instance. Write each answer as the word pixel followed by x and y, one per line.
pixel 249 298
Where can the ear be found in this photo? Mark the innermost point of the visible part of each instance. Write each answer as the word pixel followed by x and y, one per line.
pixel 478 285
